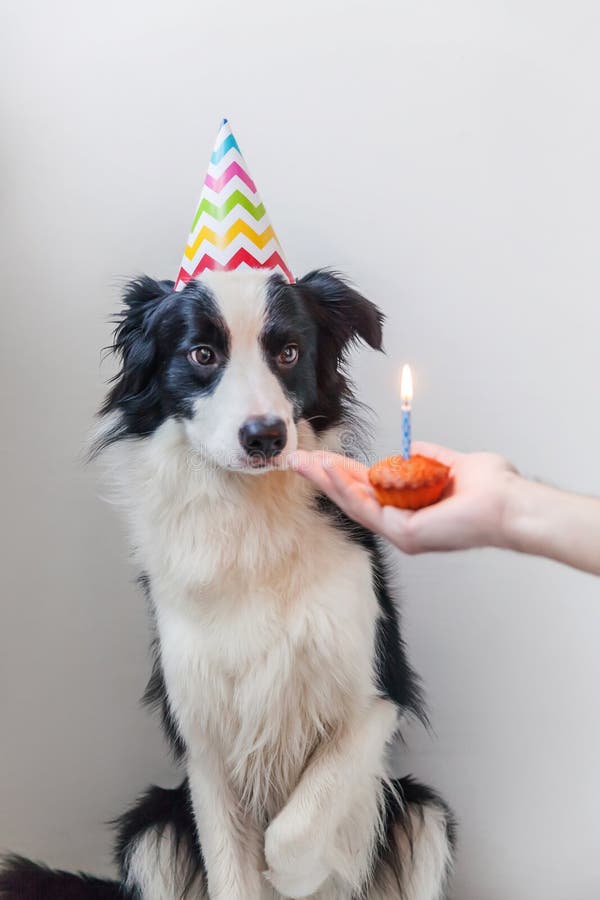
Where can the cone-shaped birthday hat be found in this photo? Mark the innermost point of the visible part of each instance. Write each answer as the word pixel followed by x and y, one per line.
pixel 231 229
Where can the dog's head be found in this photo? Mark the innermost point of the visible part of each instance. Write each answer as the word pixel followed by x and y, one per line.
pixel 239 358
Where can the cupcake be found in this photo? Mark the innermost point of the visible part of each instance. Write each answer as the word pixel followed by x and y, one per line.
pixel 409 483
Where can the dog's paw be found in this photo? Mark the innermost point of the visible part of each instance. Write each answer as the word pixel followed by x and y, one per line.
pixel 295 851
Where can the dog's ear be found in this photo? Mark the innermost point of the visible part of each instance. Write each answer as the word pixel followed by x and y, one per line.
pixel 134 342
pixel 341 311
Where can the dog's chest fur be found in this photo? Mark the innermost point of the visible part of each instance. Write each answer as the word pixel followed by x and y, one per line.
pixel 265 611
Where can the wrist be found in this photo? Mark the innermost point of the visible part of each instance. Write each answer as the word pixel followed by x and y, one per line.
pixel 516 521
pixel 530 520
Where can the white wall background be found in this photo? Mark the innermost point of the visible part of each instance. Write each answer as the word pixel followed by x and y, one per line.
pixel 445 155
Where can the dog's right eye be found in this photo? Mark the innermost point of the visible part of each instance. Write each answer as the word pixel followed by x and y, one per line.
pixel 202 356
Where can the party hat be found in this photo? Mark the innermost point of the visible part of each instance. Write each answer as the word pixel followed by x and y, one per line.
pixel 231 229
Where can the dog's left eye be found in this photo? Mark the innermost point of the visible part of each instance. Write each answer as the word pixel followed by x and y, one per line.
pixel 202 356
pixel 289 355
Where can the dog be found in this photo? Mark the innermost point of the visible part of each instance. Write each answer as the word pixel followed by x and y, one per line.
pixel 279 667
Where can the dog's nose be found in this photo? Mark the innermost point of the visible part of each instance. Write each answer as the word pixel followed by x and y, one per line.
pixel 264 435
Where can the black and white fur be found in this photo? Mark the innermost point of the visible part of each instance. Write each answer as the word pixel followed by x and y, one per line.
pixel 279 665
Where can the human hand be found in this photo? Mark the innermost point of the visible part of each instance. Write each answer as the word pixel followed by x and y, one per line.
pixel 471 513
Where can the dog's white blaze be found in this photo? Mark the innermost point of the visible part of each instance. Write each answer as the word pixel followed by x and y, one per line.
pixel 248 387
pixel 241 298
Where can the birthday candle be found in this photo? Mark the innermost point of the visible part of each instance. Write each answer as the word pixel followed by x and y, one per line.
pixel 406 395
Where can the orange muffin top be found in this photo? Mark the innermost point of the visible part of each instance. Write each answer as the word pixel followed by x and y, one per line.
pixel 397 472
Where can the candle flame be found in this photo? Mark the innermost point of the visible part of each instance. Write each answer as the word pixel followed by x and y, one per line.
pixel 406 387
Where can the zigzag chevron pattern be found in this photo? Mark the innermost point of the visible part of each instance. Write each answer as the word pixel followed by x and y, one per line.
pixel 217 184
pixel 231 229
pixel 223 240
pixel 219 212
pixel 241 259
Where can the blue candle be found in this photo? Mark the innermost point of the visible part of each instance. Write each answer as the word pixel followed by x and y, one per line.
pixel 406 435
pixel 406 395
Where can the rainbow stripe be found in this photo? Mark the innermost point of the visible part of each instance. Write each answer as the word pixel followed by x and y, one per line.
pixel 230 229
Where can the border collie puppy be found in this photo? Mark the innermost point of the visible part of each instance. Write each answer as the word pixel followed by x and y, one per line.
pixel 279 668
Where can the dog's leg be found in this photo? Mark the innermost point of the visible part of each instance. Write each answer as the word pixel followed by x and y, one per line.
pixel 416 848
pixel 308 841
pixel 230 842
